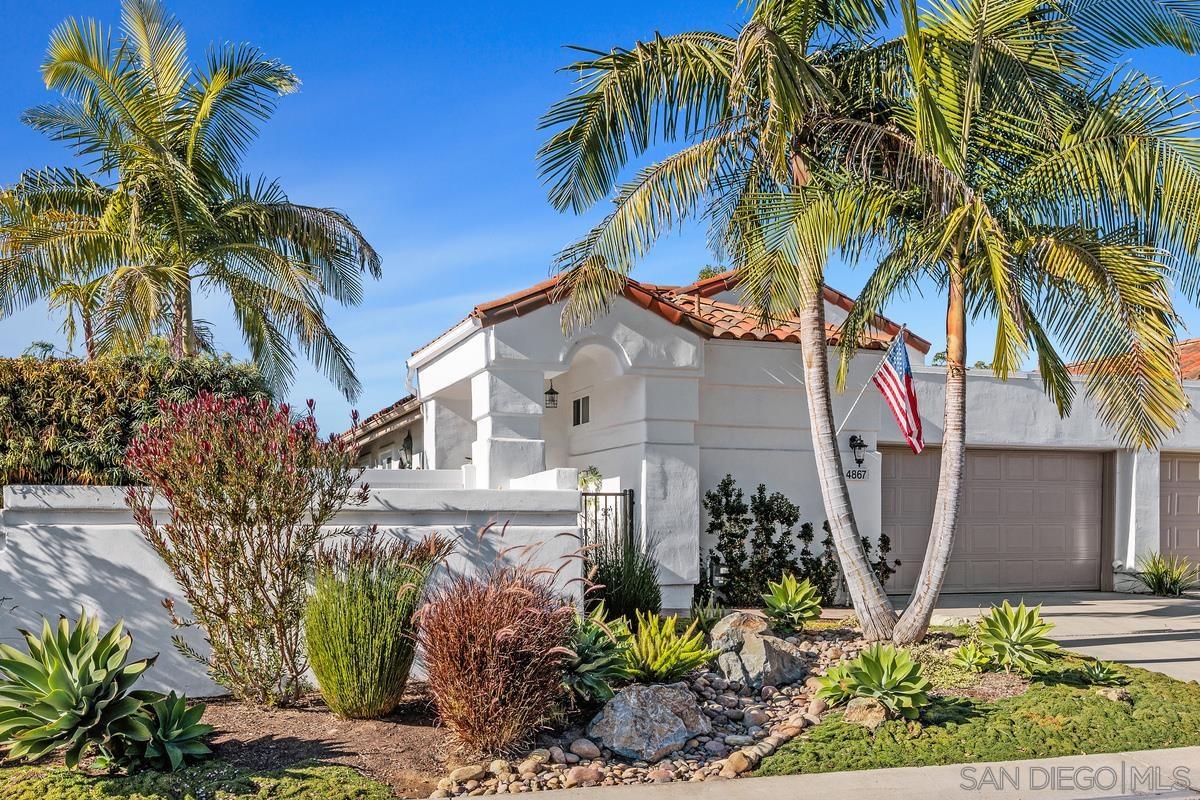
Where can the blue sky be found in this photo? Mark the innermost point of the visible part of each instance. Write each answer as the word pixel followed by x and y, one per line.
pixel 419 121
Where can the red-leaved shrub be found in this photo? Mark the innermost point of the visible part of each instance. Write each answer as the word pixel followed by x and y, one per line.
pixel 250 489
pixel 494 655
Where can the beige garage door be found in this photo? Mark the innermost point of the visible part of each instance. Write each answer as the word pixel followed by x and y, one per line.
pixel 1179 493
pixel 1030 519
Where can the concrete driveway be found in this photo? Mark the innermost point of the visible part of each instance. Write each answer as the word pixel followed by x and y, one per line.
pixel 1157 633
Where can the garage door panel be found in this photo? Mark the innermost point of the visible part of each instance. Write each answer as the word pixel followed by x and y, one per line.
pixel 1179 490
pixel 1029 519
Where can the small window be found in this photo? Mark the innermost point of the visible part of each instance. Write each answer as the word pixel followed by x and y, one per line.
pixel 581 410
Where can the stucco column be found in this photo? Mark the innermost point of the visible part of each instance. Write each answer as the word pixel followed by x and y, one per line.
pixel 448 432
pixel 1136 510
pixel 506 405
pixel 670 484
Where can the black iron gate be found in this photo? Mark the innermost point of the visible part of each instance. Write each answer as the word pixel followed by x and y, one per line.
pixel 605 516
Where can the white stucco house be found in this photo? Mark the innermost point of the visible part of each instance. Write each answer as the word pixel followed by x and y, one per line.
pixel 678 386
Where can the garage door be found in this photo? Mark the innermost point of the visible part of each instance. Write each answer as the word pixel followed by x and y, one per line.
pixel 1179 493
pixel 1029 520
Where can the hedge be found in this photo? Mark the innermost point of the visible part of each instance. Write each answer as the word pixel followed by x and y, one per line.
pixel 66 421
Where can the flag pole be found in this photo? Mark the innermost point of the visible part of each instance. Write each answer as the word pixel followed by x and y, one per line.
pixel 867 382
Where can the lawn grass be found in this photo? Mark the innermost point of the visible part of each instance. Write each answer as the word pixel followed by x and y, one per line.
pixel 212 780
pixel 1060 715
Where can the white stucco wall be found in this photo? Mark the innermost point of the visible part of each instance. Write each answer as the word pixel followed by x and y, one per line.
pixel 64 547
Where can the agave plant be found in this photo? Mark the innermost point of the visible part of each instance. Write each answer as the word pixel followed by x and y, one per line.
pixel 1015 638
pixel 659 653
pixel 971 656
pixel 883 673
pixel 706 615
pixel 597 656
pixel 176 733
pixel 70 692
pixel 791 603
pixel 1102 673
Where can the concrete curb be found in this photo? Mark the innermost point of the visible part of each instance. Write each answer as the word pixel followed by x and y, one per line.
pixel 1149 773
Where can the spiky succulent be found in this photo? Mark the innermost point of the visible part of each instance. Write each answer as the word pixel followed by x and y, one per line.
pixel 1102 673
pixel 659 653
pixel 706 615
pixel 972 657
pixel 1015 637
pixel 597 656
pixel 176 733
pixel 70 692
pixel 883 673
pixel 791 603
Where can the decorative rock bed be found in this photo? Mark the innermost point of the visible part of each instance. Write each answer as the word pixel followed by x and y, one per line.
pixel 709 728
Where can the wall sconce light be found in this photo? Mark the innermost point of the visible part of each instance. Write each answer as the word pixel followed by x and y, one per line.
pixel 551 397
pixel 407 446
pixel 858 447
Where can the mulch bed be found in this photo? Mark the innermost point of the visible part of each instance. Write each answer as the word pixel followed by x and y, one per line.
pixel 406 750
pixel 990 686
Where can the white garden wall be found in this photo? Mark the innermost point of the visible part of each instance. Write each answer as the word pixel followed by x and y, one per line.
pixel 67 546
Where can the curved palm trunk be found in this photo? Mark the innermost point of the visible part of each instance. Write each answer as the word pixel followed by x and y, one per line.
pixel 871 603
pixel 914 623
pixel 89 334
pixel 183 339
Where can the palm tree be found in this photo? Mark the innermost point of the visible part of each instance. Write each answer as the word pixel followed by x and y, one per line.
pixel 1054 203
pixel 163 210
pixel 82 300
pixel 746 106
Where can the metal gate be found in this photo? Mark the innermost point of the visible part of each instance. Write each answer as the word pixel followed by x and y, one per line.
pixel 606 515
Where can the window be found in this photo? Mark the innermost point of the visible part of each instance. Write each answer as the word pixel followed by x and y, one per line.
pixel 581 410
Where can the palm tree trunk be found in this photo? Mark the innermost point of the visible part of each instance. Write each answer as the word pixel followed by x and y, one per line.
pixel 871 602
pixel 183 339
pixel 89 336
pixel 914 623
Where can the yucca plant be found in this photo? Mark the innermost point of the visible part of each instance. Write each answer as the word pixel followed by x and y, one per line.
pixel 176 735
pixel 659 652
pixel 972 657
pixel 71 692
pixel 791 603
pixel 883 673
pixel 359 623
pixel 597 659
pixel 1166 576
pixel 1102 673
pixel 1015 638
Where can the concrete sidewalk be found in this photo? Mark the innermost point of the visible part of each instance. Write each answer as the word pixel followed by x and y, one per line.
pixel 1156 633
pixel 1152 773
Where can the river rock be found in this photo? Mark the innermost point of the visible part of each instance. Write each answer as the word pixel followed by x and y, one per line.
pixel 649 722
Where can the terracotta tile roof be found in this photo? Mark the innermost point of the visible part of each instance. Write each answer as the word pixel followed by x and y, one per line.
pixel 731 321
pixel 687 306
pixel 400 408
pixel 1189 361
pixel 728 281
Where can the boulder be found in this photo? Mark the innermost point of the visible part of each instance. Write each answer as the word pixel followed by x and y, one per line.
pixel 763 660
pixel 649 722
pixel 731 630
pixel 868 712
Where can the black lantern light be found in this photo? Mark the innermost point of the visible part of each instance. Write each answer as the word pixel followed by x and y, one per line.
pixel 858 447
pixel 407 445
pixel 551 397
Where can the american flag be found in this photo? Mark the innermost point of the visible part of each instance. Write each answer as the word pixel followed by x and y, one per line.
pixel 895 381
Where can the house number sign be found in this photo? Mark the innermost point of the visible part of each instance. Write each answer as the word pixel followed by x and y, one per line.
pixel 857 474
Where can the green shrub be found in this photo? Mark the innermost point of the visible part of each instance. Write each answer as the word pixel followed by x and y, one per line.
pixel 1014 638
pixel 72 692
pixel 65 421
pixel 791 603
pixel 883 673
pixel 659 652
pixel 359 624
pixel 625 578
pixel 1166 576
pixel 251 491
pixel 596 662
